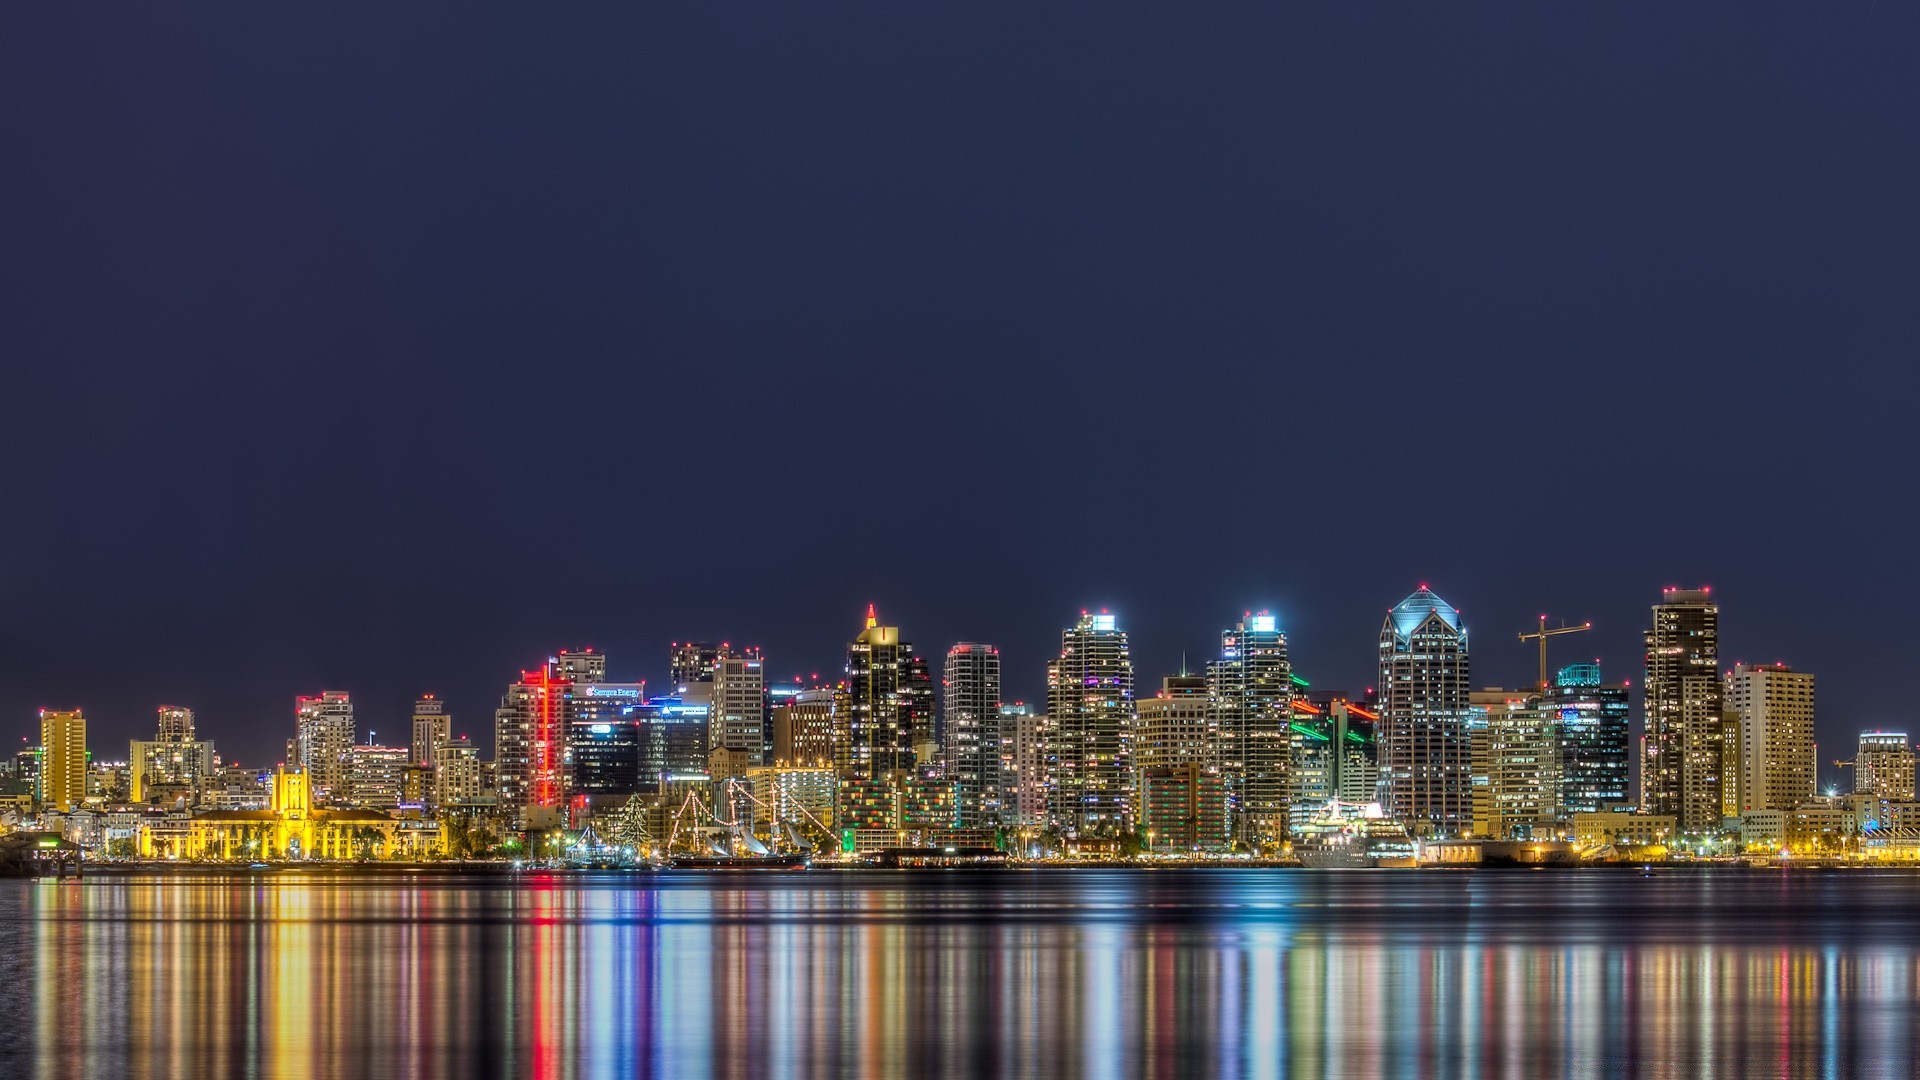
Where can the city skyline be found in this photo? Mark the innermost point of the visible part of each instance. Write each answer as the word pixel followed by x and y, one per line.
pixel 478 724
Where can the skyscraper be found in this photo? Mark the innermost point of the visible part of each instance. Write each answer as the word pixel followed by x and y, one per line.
pixel 171 765
pixel 972 730
pixel 1681 773
pixel 63 763
pixel 1778 761
pixel 1424 754
pixel 889 704
pixel 1182 797
pixel 802 723
pixel 1590 720
pixel 529 744
pixel 323 736
pixel 1250 693
pixel 1883 766
pixel 431 727
pixel 1090 716
pixel 1023 766
pixel 738 721
pixel 692 662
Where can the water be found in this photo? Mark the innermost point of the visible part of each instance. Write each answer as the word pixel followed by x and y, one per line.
pixel 1020 973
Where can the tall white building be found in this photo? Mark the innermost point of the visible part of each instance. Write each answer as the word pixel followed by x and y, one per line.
pixel 1090 716
pixel 323 737
pixel 738 718
pixel 456 773
pixel 971 727
pixel 1023 766
pixel 1250 690
pixel 431 727
pixel 1779 764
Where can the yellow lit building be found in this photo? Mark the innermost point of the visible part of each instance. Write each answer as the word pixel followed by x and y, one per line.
pixel 292 829
pixel 63 768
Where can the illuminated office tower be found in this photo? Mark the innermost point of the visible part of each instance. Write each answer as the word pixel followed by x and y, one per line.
pixel 1515 765
pixel 323 735
pixel 1090 718
pixel 738 720
pixel 1681 768
pixel 1590 721
pixel 1333 753
pixel 1883 766
pixel 888 702
pixel 602 721
pixel 431 727
pixel 673 743
pixel 579 667
pixel 375 775
pixel 972 733
pixel 1778 761
pixel 1424 754
pixel 63 760
pixel 173 764
pixel 1023 766
pixel 802 725
pixel 1250 689
pixel 1182 796
pixel 692 662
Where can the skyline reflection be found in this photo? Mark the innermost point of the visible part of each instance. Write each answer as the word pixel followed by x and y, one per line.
pixel 1090 972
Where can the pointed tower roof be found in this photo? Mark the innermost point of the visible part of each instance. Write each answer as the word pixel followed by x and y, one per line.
pixel 872 619
pixel 1408 614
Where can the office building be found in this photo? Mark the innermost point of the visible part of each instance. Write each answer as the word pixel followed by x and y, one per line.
pixel 1883 766
pixel 431 727
pixel 802 724
pixel 376 776
pixel 1250 689
pixel 738 719
pixel 173 766
pixel 1590 720
pixel 1779 765
pixel 886 707
pixel 673 744
pixel 529 748
pixel 1518 769
pixel 63 759
pixel 1182 796
pixel 1681 768
pixel 456 774
pixel 1424 746
pixel 971 723
pixel 323 735
pixel 1090 719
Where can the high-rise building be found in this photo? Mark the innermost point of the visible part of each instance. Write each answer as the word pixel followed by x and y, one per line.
pixel 63 761
pixel 1424 752
pixel 738 720
pixel 1333 753
pixel 803 727
pixel 1250 688
pixel 1681 771
pixel 692 662
pixel 1090 717
pixel 1519 763
pixel 529 747
pixel 173 765
pixel 1591 719
pixel 1182 796
pixel 431 727
pixel 673 743
pixel 972 730
pixel 323 736
pixel 1778 761
pixel 1883 766
pixel 1023 766
pixel 456 773
pixel 376 775
pixel 579 667
pixel 888 704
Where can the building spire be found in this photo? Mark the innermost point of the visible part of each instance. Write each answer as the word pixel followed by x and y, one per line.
pixel 872 620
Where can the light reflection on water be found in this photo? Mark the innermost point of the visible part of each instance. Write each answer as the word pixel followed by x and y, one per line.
pixel 1020 973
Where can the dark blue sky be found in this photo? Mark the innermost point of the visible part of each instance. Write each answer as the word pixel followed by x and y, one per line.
pixel 388 350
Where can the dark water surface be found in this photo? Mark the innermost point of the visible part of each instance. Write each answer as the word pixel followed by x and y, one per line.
pixel 1022 973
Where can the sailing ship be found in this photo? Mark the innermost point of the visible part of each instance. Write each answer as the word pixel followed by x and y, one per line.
pixel 728 843
pixel 1347 834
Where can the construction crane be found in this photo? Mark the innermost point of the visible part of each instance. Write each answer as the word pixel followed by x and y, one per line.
pixel 1543 634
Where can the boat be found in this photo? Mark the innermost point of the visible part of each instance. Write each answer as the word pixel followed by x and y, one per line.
pixel 729 842
pixel 1354 835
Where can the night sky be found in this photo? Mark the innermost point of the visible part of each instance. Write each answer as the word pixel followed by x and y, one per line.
pixel 390 350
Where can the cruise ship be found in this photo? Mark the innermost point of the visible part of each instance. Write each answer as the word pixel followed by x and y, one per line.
pixel 1346 834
